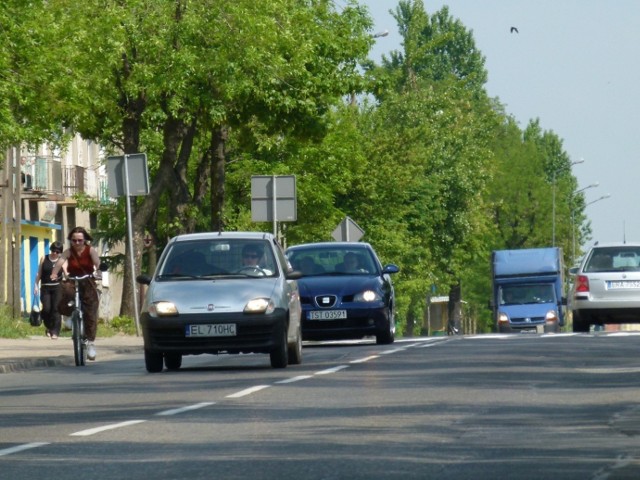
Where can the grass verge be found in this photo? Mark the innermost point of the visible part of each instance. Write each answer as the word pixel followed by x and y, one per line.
pixel 11 327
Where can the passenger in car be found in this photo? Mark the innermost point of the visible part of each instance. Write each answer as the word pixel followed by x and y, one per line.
pixel 601 262
pixel 189 263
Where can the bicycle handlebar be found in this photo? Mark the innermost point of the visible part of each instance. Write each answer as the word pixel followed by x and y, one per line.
pixel 81 277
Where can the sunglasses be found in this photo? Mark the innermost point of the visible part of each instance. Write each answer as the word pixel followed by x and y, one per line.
pixel 56 251
pixel 77 240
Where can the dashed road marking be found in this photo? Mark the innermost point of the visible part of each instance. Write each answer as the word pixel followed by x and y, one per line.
pixel 188 408
pixel 20 448
pixel 113 426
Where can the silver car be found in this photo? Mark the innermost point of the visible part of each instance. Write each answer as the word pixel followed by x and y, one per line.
pixel 606 286
pixel 231 292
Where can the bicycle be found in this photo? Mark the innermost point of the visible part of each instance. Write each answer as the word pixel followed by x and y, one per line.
pixel 77 322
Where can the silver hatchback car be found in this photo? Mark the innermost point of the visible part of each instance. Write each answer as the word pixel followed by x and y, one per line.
pixel 606 286
pixel 231 292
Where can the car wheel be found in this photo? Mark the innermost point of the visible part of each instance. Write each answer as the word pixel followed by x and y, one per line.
pixel 173 361
pixel 279 354
pixel 153 361
pixel 388 335
pixel 579 325
pixel 295 350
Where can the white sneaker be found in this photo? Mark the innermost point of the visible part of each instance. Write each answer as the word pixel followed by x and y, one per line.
pixel 91 351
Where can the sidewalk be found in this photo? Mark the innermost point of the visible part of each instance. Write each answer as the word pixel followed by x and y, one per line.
pixel 40 351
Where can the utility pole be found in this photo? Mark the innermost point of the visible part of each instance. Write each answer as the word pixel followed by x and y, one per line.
pixel 4 184
pixel 15 209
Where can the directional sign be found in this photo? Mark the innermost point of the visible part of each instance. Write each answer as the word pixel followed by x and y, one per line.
pixel 137 178
pixel 273 193
pixel 347 231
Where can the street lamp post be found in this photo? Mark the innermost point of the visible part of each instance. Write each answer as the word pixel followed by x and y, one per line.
pixel 573 223
pixel 603 197
pixel 553 212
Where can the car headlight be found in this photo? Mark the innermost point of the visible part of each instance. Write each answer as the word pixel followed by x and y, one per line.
pixel 163 309
pixel 551 316
pixel 367 296
pixel 503 317
pixel 260 305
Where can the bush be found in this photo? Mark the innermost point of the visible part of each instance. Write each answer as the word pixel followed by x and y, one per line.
pixel 120 324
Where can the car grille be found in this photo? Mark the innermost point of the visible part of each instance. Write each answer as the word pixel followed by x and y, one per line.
pixel 326 301
pixel 523 320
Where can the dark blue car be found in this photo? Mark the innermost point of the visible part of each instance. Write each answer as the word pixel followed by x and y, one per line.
pixel 345 292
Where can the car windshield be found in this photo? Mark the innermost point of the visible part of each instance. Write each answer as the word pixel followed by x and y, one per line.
pixel 313 261
pixel 207 258
pixel 613 259
pixel 524 294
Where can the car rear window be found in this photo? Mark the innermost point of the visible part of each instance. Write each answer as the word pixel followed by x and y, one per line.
pixel 611 259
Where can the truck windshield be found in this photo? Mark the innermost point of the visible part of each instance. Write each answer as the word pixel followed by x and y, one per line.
pixel 524 294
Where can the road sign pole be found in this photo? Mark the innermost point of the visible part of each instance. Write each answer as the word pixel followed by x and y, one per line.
pixel 131 254
pixel 273 206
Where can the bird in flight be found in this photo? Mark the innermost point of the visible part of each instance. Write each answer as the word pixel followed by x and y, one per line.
pixel 514 29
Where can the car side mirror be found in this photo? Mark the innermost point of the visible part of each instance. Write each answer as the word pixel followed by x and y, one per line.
pixel 143 279
pixel 573 270
pixel 293 274
pixel 391 268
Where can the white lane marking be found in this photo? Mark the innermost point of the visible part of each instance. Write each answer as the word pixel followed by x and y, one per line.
pixel 623 334
pixel 500 336
pixel 426 345
pixel 247 391
pixel 365 359
pixel 332 370
pixel 20 448
pixel 607 371
pixel 295 379
pixel 559 335
pixel 395 350
pixel 175 411
pixel 93 431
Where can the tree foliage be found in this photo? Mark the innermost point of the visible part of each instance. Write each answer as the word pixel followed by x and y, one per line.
pixel 215 91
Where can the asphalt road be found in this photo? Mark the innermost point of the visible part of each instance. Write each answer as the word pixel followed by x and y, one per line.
pixel 483 407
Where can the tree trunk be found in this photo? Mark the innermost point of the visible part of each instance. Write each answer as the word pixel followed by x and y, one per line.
pixel 218 141
pixel 454 310
pixel 173 133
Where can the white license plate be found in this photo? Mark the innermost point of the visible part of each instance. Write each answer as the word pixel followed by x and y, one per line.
pixel 623 284
pixel 208 330
pixel 327 314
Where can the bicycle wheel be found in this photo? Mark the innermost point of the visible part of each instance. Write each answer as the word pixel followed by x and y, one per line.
pixel 79 346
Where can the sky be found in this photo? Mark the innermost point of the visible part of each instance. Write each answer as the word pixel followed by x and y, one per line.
pixel 574 65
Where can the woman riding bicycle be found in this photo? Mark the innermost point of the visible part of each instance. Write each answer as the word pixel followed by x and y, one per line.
pixel 83 259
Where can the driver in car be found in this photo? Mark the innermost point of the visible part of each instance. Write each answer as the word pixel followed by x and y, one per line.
pixel 251 257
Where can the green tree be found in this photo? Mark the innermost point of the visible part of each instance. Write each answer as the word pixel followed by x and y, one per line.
pixel 436 47
pixel 172 77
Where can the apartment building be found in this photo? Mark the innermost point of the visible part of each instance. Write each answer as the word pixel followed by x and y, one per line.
pixel 38 188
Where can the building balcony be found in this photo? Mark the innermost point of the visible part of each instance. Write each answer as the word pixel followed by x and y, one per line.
pixel 45 179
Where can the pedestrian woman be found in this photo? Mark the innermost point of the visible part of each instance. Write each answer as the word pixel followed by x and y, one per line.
pixel 83 259
pixel 49 291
